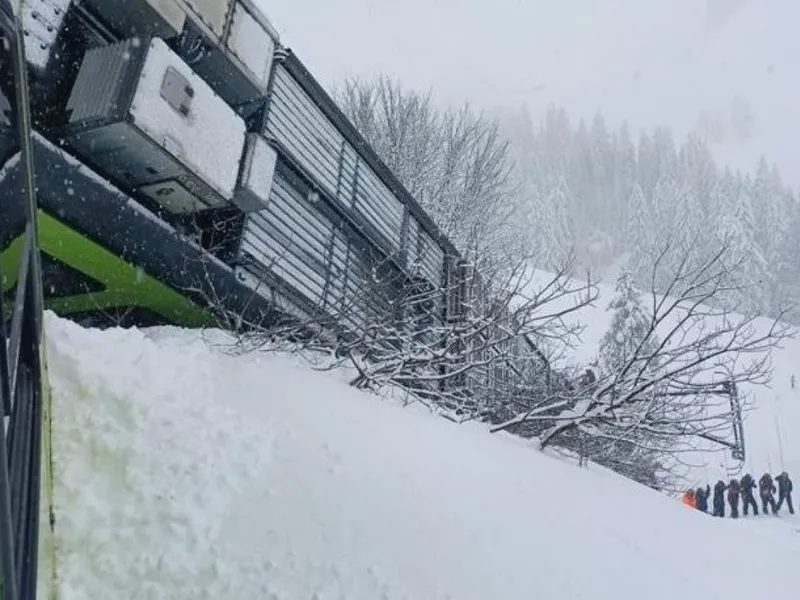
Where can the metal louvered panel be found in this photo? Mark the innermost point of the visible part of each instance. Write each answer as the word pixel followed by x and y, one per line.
pixel 412 241
pixel 97 89
pixel 335 297
pixel 310 137
pixel 348 174
pixel 291 239
pixel 378 206
pixel 354 283
pixel 296 122
pixel 431 259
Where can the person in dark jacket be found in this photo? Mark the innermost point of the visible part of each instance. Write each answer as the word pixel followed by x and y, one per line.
pixel 785 491
pixel 719 499
pixel 701 497
pixel 766 489
pixel 733 498
pixel 748 500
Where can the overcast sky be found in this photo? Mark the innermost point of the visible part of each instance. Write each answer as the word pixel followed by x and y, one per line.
pixel 736 62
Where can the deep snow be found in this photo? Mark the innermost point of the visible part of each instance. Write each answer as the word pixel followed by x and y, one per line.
pixel 184 471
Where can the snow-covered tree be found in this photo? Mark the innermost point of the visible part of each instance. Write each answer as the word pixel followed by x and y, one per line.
pixel 787 268
pixel 629 329
pixel 667 381
pixel 454 162
pixel 698 172
pixel 558 236
pixel 759 278
pixel 639 225
pixel 624 183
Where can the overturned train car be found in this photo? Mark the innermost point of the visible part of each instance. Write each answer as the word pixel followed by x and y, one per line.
pixel 186 162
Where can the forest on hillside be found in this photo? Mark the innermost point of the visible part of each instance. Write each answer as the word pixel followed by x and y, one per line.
pixel 609 196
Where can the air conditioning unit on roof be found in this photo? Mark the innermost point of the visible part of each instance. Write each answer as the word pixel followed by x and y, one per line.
pixel 229 43
pixel 139 115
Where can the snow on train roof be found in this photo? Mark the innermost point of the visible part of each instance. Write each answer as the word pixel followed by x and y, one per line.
pixel 41 23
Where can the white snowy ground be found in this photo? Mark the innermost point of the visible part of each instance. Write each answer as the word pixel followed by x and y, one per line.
pixel 185 472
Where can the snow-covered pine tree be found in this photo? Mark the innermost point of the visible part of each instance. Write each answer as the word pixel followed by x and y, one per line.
pixel 771 206
pixel 631 325
pixel 691 223
pixel 698 171
pixel 787 268
pixel 624 182
pixel 639 238
pixel 602 156
pixel 581 179
pixel 759 278
pixel 647 163
pixel 765 207
pixel 665 153
pixel 665 219
pixel 560 238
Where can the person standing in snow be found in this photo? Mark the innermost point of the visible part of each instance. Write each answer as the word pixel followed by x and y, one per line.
pixel 689 499
pixel 719 499
pixel 766 489
pixel 701 498
pixel 784 491
pixel 748 485
pixel 733 498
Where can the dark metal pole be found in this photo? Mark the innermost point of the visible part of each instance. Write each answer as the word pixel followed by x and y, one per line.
pixel 5 380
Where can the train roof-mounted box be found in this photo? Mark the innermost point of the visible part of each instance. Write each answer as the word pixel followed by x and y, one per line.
pixel 131 18
pixel 140 116
pixel 229 43
pixel 255 175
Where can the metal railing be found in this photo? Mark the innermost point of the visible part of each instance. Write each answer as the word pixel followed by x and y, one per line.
pixel 21 376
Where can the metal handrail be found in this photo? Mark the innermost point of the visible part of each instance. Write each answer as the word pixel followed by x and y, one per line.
pixel 21 377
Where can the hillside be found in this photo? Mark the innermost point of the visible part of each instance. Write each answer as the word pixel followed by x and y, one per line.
pixel 185 471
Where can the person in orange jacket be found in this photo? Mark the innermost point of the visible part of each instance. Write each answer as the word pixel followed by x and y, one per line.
pixel 689 499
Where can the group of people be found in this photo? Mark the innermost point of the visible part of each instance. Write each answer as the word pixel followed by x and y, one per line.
pixel 743 489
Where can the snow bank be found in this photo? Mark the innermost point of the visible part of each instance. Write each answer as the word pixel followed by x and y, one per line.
pixel 185 472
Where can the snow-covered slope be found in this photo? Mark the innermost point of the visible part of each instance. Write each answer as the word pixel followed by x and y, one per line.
pixel 183 471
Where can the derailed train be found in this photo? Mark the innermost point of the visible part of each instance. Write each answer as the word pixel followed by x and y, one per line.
pixel 186 161
pixel 183 155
